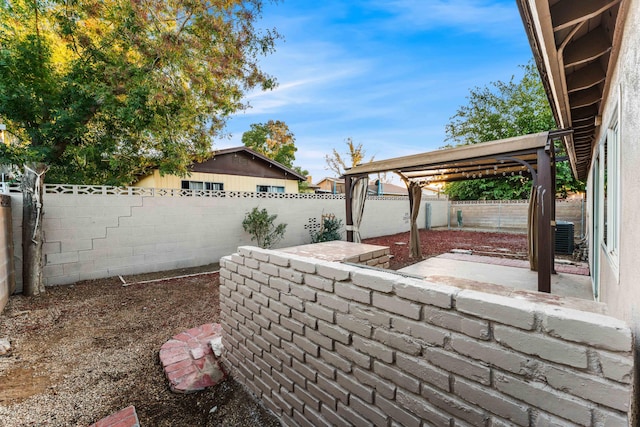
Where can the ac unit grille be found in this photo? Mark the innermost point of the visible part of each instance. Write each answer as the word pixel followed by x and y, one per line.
pixel 564 237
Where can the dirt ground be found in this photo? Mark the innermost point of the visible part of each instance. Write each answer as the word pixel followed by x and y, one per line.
pixel 436 242
pixel 81 352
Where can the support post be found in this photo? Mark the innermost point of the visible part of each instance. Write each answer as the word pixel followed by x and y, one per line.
pixel 552 154
pixel 349 206
pixel 546 197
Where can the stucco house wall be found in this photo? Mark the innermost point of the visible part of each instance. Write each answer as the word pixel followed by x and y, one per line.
pixel 230 182
pixel 619 284
pixel 237 169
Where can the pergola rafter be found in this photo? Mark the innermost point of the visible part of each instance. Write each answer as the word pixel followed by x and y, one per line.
pixel 531 156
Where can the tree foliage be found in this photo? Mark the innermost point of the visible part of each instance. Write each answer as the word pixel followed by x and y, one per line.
pixel 260 225
pixel 303 186
pixel 503 110
pixel 338 163
pixel 329 230
pixel 103 90
pixel 272 139
pixel 100 91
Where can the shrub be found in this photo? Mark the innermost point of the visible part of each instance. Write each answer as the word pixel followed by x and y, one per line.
pixel 329 230
pixel 260 225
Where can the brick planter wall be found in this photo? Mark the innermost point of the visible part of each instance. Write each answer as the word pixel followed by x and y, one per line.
pixel 328 343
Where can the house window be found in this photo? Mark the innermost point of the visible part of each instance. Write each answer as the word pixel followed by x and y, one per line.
pixel 610 191
pixel 202 185
pixel 269 189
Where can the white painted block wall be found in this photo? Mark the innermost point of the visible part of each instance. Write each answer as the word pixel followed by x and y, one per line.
pixel 90 236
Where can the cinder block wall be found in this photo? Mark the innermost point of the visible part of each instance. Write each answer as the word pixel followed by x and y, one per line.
pixel 7 275
pixel 90 236
pixel 326 343
pixel 511 215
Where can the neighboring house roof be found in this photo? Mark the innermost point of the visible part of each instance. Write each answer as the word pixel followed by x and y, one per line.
pixel 575 45
pixel 331 179
pixel 244 161
pixel 387 189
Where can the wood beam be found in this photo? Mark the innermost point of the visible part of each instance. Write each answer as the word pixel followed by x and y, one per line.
pixel 587 48
pixel 510 146
pixel 585 77
pixel 567 13
pixel 585 98
pixel 499 173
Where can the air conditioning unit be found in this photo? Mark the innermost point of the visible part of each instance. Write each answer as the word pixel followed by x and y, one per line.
pixel 564 237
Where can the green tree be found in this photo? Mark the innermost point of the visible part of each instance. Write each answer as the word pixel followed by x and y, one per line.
pixel 99 91
pixel 503 110
pixel 329 230
pixel 261 226
pixel 272 139
pixel 338 163
pixel 303 186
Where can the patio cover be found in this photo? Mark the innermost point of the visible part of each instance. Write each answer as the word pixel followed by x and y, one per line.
pixel 528 155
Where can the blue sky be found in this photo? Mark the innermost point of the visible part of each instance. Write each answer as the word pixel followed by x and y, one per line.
pixel 388 74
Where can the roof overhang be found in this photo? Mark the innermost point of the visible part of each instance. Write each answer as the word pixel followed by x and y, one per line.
pixel 506 157
pixel 253 153
pixel 575 45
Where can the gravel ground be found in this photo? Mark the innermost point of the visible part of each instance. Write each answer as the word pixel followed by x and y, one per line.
pixel 84 351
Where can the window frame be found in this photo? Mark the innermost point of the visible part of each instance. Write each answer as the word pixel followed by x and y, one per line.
pixel 206 185
pixel 609 177
pixel 270 189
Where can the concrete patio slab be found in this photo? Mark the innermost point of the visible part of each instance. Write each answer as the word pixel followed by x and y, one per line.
pixel 575 290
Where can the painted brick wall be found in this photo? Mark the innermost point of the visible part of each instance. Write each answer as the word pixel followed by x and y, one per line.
pixel 7 276
pixel 328 343
pixel 90 236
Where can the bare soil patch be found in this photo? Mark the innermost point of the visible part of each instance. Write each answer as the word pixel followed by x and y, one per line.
pixel 84 351
pixel 436 242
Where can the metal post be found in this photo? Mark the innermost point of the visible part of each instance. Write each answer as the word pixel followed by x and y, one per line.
pixel 545 199
pixel 349 206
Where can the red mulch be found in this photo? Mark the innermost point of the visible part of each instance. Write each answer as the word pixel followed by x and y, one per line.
pixel 436 242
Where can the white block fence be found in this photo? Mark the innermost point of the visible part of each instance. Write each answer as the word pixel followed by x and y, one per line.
pixel 94 232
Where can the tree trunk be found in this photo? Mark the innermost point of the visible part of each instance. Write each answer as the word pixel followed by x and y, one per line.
pixel 32 232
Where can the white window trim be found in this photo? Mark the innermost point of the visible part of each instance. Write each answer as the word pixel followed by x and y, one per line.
pixel 204 185
pixel 271 188
pixel 611 245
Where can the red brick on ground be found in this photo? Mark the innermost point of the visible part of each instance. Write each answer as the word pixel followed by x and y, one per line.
pixel 124 418
pixel 188 361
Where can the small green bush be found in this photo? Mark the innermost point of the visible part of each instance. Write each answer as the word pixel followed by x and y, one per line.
pixel 329 230
pixel 261 226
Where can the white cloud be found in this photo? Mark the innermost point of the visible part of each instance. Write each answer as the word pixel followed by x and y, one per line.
pixel 385 72
pixel 491 17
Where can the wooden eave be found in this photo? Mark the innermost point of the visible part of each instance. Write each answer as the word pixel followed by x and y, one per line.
pixel 575 44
